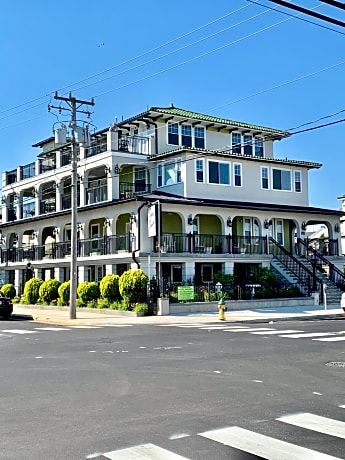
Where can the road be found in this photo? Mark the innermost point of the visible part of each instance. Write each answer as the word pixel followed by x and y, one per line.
pixel 182 392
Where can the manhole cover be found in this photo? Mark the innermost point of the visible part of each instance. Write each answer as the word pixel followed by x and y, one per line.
pixel 336 364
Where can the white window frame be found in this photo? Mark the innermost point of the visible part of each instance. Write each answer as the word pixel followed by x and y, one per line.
pixel 265 168
pixel 237 175
pixel 162 169
pixel 208 172
pixel 196 129
pixel 202 163
pixel 278 223
pixel 257 142
pixel 281 189
pixel 236 145
pixel 186 125
pixel 298 181
pixel 178 132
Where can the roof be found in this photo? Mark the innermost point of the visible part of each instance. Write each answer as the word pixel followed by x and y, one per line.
pixel 165 197
pixel 158 112
pixel 227 153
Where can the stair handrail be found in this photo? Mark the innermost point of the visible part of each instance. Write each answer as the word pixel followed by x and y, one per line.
pixel 302 269
pixel 336 276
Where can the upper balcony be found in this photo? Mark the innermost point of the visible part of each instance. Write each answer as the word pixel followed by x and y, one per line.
pixel 55 157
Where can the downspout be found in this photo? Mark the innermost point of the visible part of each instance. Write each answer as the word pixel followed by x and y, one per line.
pixel 139 238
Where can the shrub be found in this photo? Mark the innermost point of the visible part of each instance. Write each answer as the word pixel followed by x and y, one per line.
pixel 141 308
pixel 118 306
pixel 64 293
pixel 133 286
pixel 31 290
pixel 87 291
pixel 48 290
pixel 109 288
pixel 102 303
pixel 9 290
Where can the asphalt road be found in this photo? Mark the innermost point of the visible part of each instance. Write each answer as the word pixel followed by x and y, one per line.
pixel 77 393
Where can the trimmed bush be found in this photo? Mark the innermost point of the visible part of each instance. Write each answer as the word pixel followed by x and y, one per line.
pixel 87 291
pixel 64 293
pixel 9 290
pixel 133 287
pixel 49 290
pixel 109 288
pixel 31 290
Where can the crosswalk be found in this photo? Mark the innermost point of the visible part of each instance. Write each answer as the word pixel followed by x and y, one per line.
pixel 320 336
pixel 242 440
pixel 38 330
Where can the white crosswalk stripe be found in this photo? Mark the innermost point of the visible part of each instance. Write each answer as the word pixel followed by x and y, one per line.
pixel 146 451
pixel 316 423
pixel 52 329
pixel 286 331
pixel 308 334
pixel 250 329
pixel 263 446
pixel 19 331
pixel 249 442
pixel 331 339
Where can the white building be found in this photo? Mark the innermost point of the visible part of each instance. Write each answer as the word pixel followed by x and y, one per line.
pixel 225 202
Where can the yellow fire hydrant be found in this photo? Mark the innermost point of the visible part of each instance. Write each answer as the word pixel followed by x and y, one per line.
pixel 221 309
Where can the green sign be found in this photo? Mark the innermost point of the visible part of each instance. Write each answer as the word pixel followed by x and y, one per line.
pixel 185 292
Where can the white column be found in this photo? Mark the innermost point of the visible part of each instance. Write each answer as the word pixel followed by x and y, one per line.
pixel 17 280
pixel 82 274
pixel 229 268
pixel 58 274
pixel 110 269
pixel 188 271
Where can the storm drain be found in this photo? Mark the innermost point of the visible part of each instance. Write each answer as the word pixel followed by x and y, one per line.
pixel 336 364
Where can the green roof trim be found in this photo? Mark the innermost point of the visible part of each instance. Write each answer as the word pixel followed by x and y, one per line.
pixel 174 111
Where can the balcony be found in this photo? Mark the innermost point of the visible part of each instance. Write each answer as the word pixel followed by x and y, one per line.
pixel 131 190
pixel 210 244
pixel 47 206
pixel 134 144
pixel 86 248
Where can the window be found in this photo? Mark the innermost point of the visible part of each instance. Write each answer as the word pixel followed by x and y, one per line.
pixel 199 170
pixel 298 181
pixel 281 179
pixel 173 134
pixel 139 180
pixel 159 176
pixel 248 145
pixel 247 230
pixel 259 147
pixel 236 143
pixel 199 137
pixel 169 173
pixel 237 175
pixel 264 178
pixel 186 131
pixel 95 237
pixel 279 231
pixel 218 173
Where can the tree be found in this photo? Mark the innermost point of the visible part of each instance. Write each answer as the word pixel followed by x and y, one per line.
pixel 133 286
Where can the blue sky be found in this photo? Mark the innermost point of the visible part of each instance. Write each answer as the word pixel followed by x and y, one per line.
pixel 237 60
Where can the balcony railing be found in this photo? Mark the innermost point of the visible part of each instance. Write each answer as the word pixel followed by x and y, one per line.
pixel 47 206
pixel 130 190
pixel 211 244
pixel 95 150
pixel 85 248
pixel 134 144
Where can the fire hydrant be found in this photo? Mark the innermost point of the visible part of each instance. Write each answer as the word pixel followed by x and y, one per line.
pixel 221 309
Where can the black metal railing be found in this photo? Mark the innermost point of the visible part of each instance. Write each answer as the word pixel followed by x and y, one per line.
pixel 130 190
pixel 85 248
pixel 211 244
pixel 307 279
pixel 332 272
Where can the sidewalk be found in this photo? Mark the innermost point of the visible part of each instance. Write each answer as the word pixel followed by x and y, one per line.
pixel 60 316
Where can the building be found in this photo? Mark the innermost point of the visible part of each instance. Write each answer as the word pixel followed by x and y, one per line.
pixel 181 195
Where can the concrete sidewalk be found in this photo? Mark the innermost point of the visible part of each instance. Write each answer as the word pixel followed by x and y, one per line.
pixel 55 315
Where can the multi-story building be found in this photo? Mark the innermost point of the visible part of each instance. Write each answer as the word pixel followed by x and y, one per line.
pixel 224 202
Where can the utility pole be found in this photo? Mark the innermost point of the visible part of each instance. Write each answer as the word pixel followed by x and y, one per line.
pixel 72 102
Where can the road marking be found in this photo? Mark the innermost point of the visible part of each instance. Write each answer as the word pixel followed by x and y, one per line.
pixel 287 331
pixel 52 328
pixel 116 325
pixel 262 446
pixel 223 327
pixel 342 406
pixel 249 329
pixel 316 423
pixel 308 334
pixel 145 451
pixel 19 331
pixel 330 339
pixel 85 327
